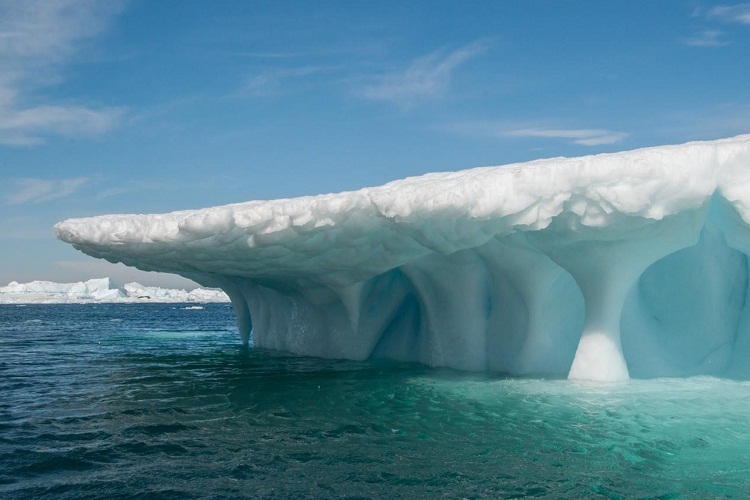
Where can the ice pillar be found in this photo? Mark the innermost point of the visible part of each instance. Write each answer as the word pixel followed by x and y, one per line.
pixel 605 270
pixel 604 282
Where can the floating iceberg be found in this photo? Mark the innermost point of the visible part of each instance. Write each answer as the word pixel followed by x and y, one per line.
pixel 600 267
pixel 100 290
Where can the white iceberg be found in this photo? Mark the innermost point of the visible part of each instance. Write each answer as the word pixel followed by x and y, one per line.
pixel 598 267
pixel 156 294
pixel 100 290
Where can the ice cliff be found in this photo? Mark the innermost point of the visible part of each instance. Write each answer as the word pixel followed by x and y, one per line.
pixel 600 267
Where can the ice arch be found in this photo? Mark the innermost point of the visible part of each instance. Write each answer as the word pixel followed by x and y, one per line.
pixel 597 267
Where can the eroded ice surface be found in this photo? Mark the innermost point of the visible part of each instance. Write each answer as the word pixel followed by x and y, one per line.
pixel 598 267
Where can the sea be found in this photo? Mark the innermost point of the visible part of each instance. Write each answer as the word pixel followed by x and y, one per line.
pixel 164 401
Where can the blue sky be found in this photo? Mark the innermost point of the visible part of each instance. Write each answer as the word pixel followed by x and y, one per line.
pixel 141 106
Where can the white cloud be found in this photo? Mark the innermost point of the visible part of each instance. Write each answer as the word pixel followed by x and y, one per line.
pixel 270 82
pixel 261 85
pixel 706 38
pixel 738 13
pixel 36 37
pixel 428 77
pixel 110 192
pixel 26 127
pixel 41 190
pixel 583 137
pixel 500 130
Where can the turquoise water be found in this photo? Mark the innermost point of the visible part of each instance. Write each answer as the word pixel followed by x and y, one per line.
pixel 157 400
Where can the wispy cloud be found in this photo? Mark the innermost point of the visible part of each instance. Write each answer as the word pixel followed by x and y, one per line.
pixel 25 127
pixel 272 81
pixel 709 121
pixel 110 192
pixel 142 186
pixel 706 38
pixel 500 130
pixel 711 38
pixel 36 38
pixel 583 137
pixel 31 190
pixel 738 13
pixel 428 77
pixel 358 50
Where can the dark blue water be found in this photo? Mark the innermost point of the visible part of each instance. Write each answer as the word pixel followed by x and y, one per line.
pixel 110 401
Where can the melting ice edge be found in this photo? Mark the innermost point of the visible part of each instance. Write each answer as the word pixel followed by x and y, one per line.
pixel 601 267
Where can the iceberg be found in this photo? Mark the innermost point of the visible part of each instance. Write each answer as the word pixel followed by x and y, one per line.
pixel 600 267
pixel 100 290
pixel 156 294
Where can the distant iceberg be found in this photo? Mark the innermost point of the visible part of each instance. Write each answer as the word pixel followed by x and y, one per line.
pixel 599 267
pixel 100 290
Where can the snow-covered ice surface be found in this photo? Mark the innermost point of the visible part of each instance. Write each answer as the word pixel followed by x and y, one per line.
pixel 601 267
pixel 100 290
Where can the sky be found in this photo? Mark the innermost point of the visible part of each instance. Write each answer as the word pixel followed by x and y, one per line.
pixel 140 106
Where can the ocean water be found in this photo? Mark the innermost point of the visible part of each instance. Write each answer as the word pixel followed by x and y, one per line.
pixel 160 400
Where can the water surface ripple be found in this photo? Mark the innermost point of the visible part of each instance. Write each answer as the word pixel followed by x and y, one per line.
pixel 158 400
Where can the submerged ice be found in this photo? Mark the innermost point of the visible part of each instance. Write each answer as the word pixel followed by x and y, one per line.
pixel 601 267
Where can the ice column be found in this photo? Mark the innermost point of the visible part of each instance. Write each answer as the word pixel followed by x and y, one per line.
pixel 605 269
